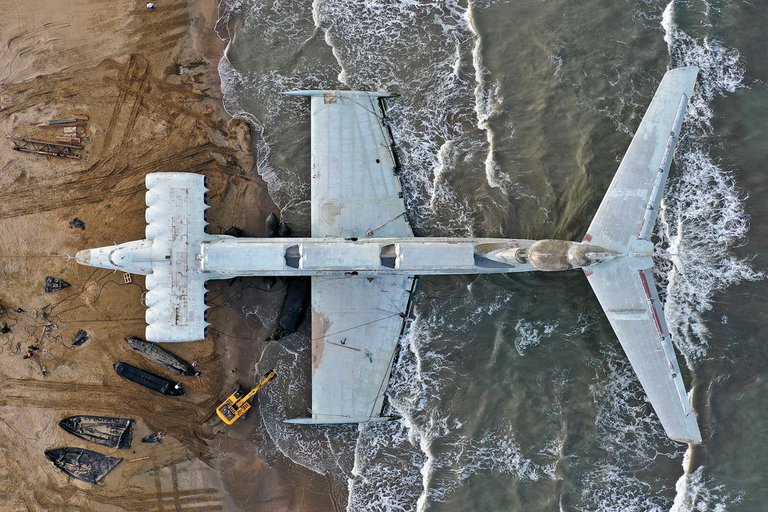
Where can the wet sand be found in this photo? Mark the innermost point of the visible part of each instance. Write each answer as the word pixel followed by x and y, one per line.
pixel 148 82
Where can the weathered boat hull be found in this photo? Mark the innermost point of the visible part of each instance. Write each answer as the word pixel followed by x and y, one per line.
pixel 85 465
pixel 159 355
pixel 103 430
pixel 148 380
pixel 294 306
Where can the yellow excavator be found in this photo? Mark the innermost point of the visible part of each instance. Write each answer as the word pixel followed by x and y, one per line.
pixel 238 404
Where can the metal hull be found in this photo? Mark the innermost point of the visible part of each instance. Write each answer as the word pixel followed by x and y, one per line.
pixel 159 355
pixel 148 380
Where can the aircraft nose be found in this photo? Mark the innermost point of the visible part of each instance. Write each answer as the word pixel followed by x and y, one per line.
pixel 83 257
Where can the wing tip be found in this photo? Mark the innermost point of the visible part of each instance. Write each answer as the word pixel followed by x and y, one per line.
pixel 694 439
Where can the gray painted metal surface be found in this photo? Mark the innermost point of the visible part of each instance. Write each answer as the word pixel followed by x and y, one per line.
pixel 630 206
pixel 363 258
pixel 356 193
pixel 355 189
pixel 628 297
pixel 624 286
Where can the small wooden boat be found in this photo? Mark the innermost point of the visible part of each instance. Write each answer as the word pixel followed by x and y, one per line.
pixel 149 380
pixel 85 465
pixel 103 430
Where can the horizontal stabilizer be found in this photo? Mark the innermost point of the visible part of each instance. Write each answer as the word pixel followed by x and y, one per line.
pixel 629 298
pixel 631 204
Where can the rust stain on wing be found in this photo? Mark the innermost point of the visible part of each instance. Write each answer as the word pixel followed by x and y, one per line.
pixel 320 325
pixel 330 210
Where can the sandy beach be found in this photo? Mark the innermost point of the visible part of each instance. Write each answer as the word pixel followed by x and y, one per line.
pixel 147 82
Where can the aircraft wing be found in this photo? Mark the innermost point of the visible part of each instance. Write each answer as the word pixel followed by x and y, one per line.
pixel 631 203
pixel 632 305
pixel 356 322
pixel 175 296
pixel 355 187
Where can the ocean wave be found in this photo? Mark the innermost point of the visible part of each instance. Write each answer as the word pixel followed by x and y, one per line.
pixel 488 103
pixel 437 453
pixel 424 53
pixel 530 334
pixel 703 215
pixel 631 438
pixel 697 491
pixel 702 219
pixel 327 450
pixel 442 126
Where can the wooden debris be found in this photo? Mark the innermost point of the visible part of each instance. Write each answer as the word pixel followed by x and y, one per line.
pixel 41 147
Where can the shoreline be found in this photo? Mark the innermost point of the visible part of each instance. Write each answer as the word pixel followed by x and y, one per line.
pixel 153 98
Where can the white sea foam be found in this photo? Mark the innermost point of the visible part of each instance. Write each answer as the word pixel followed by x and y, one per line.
pixel 254 94
pixel 626 425
pixel 417 50
pixel 436 457
pixel 697 492
pixel 702 219
pixel 530 334
pixel 703 214
pixel 488 101
pixel 266 313
pixel 611 488
pixel 325 450
pixel 631 437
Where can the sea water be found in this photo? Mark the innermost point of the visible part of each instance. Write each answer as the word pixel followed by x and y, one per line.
pixel 512 116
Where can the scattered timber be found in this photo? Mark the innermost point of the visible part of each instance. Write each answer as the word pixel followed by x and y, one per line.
pixel 41 147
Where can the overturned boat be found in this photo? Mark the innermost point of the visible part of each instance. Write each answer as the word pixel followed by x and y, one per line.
pixel 103 430
pixel 159 355
pixel 149 380
pixel 85 465
pixel 294 308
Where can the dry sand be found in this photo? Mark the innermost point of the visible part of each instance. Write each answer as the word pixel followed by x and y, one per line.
pixel 118 63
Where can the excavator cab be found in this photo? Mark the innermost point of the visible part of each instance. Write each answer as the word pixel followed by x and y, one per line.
pixel 237 404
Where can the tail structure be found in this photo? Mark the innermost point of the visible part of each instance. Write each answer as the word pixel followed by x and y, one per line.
pixel 624 285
